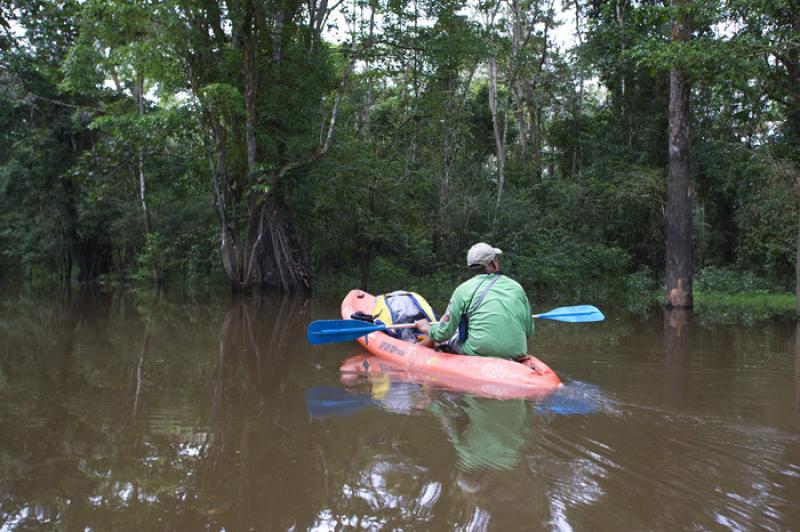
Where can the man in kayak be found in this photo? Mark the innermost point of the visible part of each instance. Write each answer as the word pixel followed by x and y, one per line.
pixel 488 315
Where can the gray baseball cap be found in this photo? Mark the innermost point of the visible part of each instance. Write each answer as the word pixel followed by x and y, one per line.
pixel 482 253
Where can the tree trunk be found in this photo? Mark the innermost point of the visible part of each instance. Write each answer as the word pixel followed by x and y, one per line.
pixel 139 95
pixel 620 10
pixel 69 229
pixel 517 31
pixel 536 137
pixel 250 86
pixel 282 263
pixel 277 36
pixel 535 105
pixel 679 207
pixel 791 61
pixel 229 234
pixel 447 158
pixel 576 149
pixel 255 214
pixel 498 137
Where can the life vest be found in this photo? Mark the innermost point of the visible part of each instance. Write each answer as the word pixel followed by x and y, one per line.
pixel 402 307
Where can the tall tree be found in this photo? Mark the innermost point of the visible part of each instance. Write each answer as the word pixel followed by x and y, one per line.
pixel 249 59
pixel 489 13
pixel 679 201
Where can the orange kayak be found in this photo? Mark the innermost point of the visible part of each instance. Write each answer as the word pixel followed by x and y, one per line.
pixel 486 376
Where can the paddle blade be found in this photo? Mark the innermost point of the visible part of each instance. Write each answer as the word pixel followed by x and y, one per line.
pixel 575 399
pixel 324 401
pixel 327 331
pixel 579 314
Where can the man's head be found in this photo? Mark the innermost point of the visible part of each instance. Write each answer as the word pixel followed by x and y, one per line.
pixel 483 258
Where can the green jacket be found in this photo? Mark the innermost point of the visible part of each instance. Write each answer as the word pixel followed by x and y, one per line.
pixel 500 325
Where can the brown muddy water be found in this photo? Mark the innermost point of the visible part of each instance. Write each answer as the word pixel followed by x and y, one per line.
pixel 145 411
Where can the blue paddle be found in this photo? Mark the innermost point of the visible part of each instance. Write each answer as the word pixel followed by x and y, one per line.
pixel 327 331
pixel 579 314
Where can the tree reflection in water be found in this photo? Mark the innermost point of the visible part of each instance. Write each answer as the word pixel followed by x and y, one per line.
pixel 676 354
pixel 113 417
pixel 248 426
pixel 797 375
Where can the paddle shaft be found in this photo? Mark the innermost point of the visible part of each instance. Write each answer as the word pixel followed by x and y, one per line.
pixel 412 325
pixel 325 331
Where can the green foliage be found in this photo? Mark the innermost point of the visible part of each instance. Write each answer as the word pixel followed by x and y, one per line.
pixel 82 72
pixel 743 307
pixel 640 293
pixel 728 296
pixel 100 97
pixel 730 281
pixel 568 268
pixel 184 259
pixel 223 99
pixel 150 259
pixel 767 217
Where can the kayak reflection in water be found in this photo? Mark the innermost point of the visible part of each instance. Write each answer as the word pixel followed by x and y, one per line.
pixel 486 433
pixel 488 315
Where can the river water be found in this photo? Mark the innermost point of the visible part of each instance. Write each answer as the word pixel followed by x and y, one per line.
pixel 145 411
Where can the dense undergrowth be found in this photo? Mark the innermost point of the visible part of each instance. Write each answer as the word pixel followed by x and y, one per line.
pixel 724 295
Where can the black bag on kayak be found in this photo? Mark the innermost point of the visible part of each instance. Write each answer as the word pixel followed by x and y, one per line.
pixel 402 307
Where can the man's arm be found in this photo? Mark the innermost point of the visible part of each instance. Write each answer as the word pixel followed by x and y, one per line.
pixel 448 324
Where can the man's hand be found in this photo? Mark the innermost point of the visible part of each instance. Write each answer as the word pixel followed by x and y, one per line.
pixel 423 325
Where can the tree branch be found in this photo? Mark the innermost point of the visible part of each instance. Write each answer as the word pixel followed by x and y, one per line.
pixel 323 147
pixel 63 104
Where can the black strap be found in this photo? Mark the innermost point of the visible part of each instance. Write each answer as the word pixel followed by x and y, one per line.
pixel 363 316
